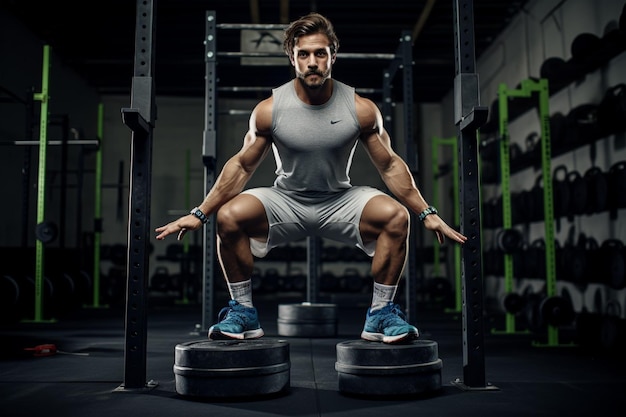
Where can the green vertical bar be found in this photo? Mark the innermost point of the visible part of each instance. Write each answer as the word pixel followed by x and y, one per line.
pixel 98 209
pixel 457 211
pixel 41 184
pixel 505 172
pixel 548 209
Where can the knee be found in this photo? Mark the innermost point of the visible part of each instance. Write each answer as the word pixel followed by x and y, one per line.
pixel 398 223
pixel 227 221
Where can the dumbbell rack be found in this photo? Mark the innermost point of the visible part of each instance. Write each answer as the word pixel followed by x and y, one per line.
pixel 528 87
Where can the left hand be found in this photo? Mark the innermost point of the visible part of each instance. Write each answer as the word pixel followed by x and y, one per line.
pixel 180 226
pixel 436 224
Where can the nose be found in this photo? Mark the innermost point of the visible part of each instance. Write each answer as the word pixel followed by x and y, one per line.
pixel 312 61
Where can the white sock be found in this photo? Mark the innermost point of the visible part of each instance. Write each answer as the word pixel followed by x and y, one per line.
pixel 382 295
pixel 241 292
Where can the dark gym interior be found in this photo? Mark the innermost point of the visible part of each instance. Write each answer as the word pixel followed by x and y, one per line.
pixel 97 317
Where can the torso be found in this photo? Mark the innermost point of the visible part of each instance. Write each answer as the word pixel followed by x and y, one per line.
pixel 313 145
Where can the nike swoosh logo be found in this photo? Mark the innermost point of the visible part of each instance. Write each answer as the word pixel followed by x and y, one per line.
pixel 332 122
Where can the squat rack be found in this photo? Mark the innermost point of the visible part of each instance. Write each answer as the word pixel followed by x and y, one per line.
pixel 141 117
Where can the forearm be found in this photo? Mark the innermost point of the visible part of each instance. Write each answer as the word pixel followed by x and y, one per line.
pixel 236 172
pixel 230 182
pixel 401 184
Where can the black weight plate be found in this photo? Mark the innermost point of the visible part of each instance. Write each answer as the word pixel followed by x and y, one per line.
pixel 557 311
pixel 291 329
pixel 514 303
pixel 307 320
pixel 366 353
pixel 232 368
pixel 46 232
pixel 308 312
pixel 379 369
pixel 510 240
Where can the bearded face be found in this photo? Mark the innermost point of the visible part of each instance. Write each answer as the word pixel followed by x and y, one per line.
pixel 312 60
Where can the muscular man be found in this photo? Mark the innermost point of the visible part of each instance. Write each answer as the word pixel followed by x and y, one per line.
pixel 312 125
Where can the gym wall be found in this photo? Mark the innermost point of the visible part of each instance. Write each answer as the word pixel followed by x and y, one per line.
pixel 544 30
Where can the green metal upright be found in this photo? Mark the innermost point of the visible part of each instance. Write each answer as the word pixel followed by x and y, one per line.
pixel 505 185
pixel 43 97
pixel 453 142
pixel 548 202
pixel 528 87
pixel 97 235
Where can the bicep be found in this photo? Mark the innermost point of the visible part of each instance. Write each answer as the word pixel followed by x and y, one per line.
pixel 254 150
pixel 378 147
pixel 257 141
pixel 374 137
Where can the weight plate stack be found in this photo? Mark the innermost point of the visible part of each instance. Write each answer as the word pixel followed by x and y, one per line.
pixel 388 370
pixel 232 368
pixel 307 320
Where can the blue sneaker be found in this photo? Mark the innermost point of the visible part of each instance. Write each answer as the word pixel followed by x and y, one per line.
pixel 388 325
pixel 236 322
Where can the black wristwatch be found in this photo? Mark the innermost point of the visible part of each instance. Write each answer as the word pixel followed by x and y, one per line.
pixel 199 214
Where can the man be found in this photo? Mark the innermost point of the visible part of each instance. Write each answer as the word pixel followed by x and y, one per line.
pixel 312 125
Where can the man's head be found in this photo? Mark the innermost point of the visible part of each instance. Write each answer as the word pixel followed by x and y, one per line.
pixel 311 44
pixel 307 25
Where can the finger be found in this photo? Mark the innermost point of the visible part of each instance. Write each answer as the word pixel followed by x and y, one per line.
pixel 162 235
pixel 181 234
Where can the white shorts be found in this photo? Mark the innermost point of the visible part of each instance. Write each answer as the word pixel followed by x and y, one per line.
pixel 335 216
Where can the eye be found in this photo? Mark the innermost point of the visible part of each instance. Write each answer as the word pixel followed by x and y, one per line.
pixel 321 53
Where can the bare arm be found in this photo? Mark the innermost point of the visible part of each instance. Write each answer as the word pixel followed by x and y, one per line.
pixel 394 171
pixel 235 174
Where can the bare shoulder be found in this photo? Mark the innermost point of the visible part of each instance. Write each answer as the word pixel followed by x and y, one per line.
pixel 368 114
pixel 261 118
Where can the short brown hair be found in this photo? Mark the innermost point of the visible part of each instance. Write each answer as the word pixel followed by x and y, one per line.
pixel 307 25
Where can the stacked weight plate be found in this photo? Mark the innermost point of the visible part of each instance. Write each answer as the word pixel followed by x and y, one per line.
pixel 232 368
pixel 379 369
pixel 307 320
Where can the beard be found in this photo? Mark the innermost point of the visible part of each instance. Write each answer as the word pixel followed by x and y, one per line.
pixel 313 85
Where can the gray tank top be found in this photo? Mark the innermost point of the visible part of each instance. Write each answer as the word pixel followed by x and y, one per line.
pixel 313 145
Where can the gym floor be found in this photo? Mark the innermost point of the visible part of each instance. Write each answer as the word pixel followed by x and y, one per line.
pixel 85 374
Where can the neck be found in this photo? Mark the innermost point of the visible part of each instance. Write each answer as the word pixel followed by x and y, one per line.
pixel 314 96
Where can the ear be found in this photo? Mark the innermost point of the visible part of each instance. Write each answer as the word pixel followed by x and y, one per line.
pixel 333 59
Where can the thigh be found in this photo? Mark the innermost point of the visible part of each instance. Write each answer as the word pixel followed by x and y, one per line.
pixel 284 217
pixel 248 212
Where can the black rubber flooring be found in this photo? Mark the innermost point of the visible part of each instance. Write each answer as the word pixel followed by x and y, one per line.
pixel 84 377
